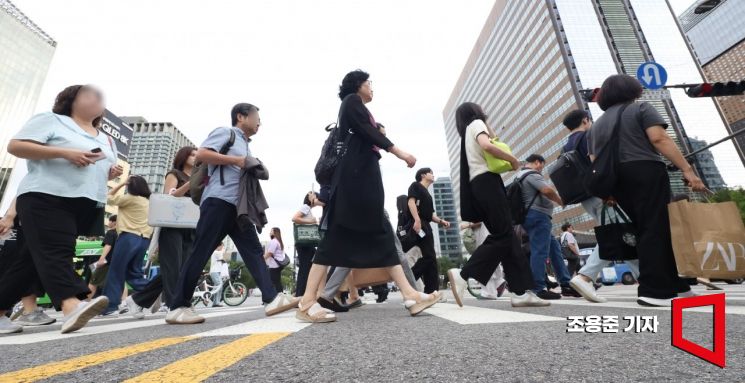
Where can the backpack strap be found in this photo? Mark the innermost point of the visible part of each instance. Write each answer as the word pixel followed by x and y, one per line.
pixel 520 181
pixel 224 150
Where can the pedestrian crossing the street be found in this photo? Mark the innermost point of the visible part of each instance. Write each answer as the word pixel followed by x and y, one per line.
pixel 241 338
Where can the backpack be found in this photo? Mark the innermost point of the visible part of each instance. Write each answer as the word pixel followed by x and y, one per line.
pixel 518 209
pixel 201 177
pixel 331 153
pixel 568 174
pixel 602 178
pixel 405 222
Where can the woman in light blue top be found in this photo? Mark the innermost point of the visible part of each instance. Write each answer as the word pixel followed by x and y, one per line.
pixel 61 197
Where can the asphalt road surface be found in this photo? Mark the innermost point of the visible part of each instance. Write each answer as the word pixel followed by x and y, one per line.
pixel 486 341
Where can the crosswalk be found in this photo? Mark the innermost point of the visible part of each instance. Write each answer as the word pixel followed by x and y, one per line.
pixel 241 338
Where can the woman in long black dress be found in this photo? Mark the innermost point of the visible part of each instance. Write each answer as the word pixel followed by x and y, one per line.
pixel 358 234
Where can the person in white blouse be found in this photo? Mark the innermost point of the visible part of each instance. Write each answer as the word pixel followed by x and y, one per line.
pixel 275 257
pixel 218 271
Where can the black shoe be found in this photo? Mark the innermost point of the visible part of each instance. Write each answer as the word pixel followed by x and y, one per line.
pixel 551 285
pixel 597 285
pixel 355 304
pixel 332 305
pixel 548 295
pixel 568 291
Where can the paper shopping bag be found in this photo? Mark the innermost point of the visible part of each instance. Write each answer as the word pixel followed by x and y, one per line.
pixel 708 239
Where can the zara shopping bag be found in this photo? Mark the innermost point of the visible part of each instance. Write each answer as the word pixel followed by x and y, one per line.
pixel 708 239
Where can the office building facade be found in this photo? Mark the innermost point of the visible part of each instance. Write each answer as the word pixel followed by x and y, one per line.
pixel 24 62
pixel 153 148
pixel 450 244
pixel 718 39
pixel 529 64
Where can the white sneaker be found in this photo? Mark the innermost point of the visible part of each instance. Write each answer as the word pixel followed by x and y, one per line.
pixel 528 299
pixel 135 310
pixel 8 327
pixel 687 294
pixel 586 289
pixel 83 313
pixel 35 318
pixel 654 302
pixel 183 315
pixel 458 285
pixel 281 303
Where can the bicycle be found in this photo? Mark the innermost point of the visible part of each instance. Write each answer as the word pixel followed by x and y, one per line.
pixel 234 293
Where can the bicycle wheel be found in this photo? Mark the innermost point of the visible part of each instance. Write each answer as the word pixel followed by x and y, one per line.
pixel 234 293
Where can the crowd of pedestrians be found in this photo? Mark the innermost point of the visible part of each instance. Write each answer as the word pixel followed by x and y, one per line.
pixel 70 160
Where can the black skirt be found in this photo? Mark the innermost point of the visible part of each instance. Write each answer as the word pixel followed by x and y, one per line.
pixel 344 247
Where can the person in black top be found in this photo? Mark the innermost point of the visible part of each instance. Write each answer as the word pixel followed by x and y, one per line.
pixel 102 265
pixel 174 244
pixel 423 211
pixel 357 233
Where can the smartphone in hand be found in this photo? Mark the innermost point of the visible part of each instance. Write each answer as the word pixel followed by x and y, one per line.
pixel 100 155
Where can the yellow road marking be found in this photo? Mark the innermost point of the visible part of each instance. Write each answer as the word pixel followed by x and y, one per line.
pixel 201 366
pixel 65 366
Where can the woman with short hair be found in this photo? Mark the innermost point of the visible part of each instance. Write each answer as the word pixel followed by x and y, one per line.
pixel 643 186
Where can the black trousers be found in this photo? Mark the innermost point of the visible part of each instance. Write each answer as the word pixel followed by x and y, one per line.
pixel 426 266
pixel 276 276
pixel 217 218
pixel 643 191
pixel 9 252
pixel 50 226
pixel 573 266
pixel 502 245
pixel 305 256
pixel 174 245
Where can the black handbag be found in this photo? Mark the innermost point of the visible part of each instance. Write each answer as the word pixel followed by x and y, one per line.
pixel 334 148
pixel 567 251
pixel 617 238
pixel 602 178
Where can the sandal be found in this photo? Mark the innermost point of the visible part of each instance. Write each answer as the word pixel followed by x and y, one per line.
pixel 425 301
pixel 314 314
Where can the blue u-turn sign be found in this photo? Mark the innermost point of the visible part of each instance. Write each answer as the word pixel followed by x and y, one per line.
pixel 651 75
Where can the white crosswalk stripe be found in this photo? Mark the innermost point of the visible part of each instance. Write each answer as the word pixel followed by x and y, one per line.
pixel 467 315
pixel 96 328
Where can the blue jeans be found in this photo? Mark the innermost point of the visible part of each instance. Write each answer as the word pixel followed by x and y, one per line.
pixel 126 265
pixel 544 246
pixel 594 265
pixel 217 218
pixel 217 281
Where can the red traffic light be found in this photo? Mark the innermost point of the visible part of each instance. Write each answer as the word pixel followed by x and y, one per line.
pixel 717 89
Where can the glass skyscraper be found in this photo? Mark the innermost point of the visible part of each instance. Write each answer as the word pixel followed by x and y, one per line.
pixel 718 38
pixel 449 239
pixel 153 148
pixel 533 57
pixel 25 54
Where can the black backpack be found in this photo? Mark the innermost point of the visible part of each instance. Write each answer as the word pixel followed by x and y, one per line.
pixel 602 177
pixel 518 210
pixel 333 150
pixel 200 176
pixel 404 223
pixel 568 174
